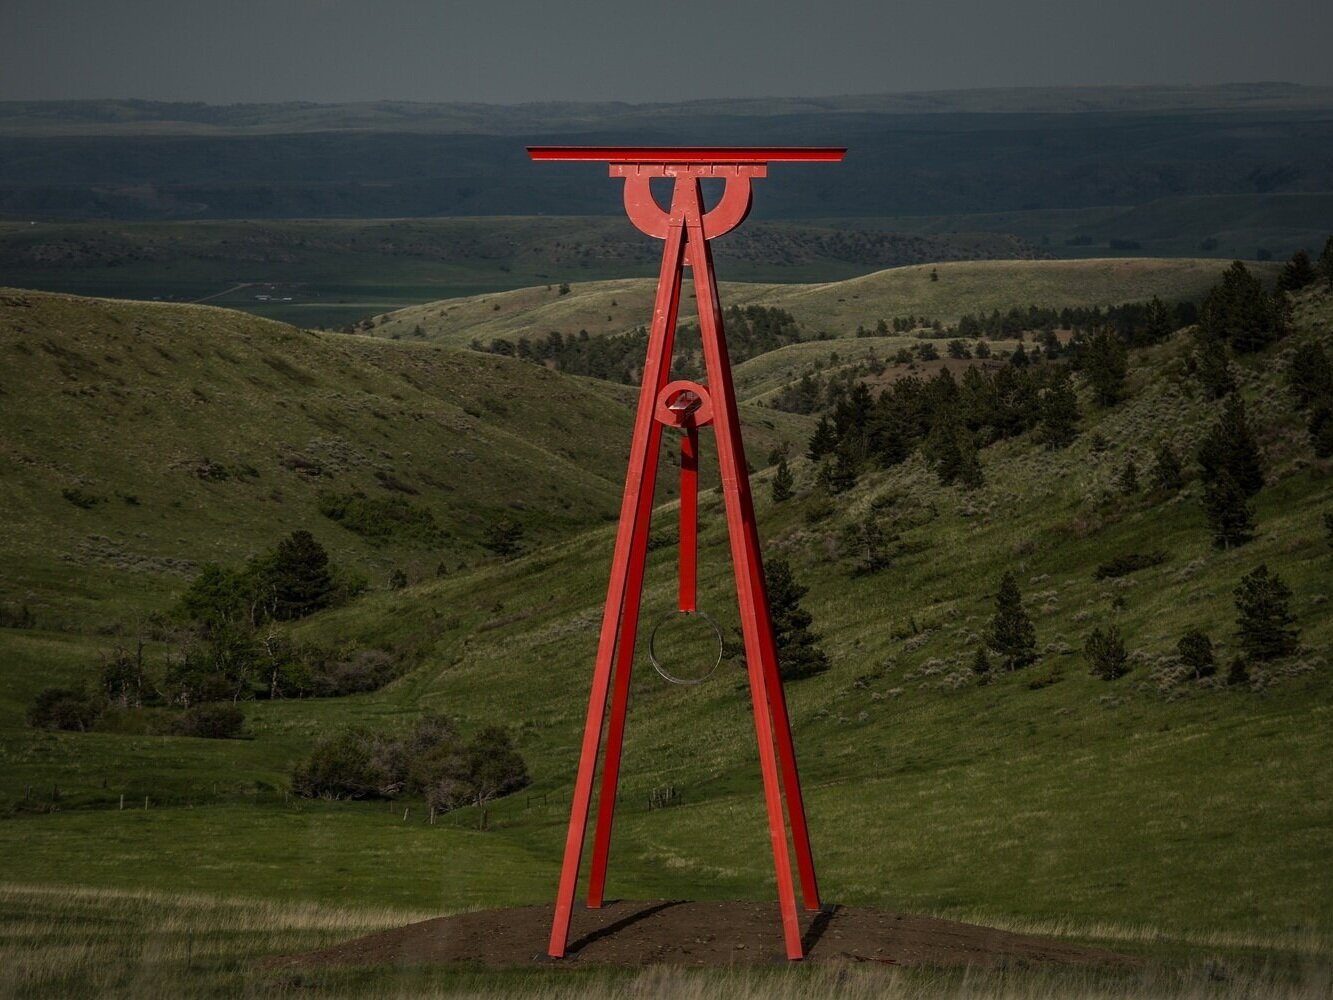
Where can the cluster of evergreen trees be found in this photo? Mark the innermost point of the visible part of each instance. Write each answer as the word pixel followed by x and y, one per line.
pixel 750 331
pixel 1139 323
pixel 951 419
pixel 1265 630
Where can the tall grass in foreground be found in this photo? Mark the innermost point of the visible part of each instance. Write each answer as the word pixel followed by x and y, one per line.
pixel 98 942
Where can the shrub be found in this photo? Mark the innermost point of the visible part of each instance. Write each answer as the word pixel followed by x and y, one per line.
pixel 381 519
pixel 22 617
pixel 430 759
pixel 64 708
pixel 1129 563
pixel 485 769
pixel 354 764
pixel 81 498
pixel 504 538
pixel 212 721
pixel 1106 653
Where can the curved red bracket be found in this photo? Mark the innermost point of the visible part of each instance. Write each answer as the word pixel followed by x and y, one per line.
pixel 683 404
pixel 652 219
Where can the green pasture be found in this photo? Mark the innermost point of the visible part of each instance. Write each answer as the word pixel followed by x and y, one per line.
pixel 1189 823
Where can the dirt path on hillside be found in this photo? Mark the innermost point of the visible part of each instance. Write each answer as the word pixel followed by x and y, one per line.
pixel 698 934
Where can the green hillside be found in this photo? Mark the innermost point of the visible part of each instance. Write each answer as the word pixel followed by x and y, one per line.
pixel 142 440
pixel 1184 821
pixel 837 308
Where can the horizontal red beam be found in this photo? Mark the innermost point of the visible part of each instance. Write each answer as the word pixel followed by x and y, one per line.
pixel 690 154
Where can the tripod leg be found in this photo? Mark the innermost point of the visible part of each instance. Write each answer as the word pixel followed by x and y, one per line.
pixel 740 515
pixel 654 372
pixel 615 735
pixel 791 781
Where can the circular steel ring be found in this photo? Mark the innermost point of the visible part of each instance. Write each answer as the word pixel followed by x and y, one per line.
pixel 657 664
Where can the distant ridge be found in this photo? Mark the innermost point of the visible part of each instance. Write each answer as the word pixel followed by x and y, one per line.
pixel 133 116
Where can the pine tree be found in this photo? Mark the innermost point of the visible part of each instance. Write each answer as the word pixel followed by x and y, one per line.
pixel 1011 634
pixel 297 576
pixel 1326 262
pixel 799 652
pixel 1320 429
pixel 1230 516
pixel 838 473
pixel 823 440
pixel 1157 323
pixel 782 481
pixel 1166 472
pixel 1059 414
pixel 970 476
pixel 1195 650
pixel 1229 447
pixel 1210 364
pixel 1297 274
pixel 981 663
pixel 1128 482
pixel 1263 622
pixel 1310 375
pixel 1239 311
pixel 1105 363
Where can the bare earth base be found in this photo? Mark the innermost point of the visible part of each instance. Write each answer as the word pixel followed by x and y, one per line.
pixel 699 934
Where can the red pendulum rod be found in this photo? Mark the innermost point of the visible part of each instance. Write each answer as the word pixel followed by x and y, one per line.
pixel 687 599
pixel 686 229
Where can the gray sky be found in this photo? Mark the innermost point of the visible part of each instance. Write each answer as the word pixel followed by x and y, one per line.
pixel 522 50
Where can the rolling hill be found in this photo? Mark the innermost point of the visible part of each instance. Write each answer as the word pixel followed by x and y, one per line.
pixel 1176 819
pixel 142 440
pixel 836 308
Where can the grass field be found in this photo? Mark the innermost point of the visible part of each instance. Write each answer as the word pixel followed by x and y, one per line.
pixel 1187 823
pixel 836 308
pixel 84 942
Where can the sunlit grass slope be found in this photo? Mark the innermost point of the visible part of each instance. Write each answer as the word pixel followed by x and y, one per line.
pixel 140 440
pixel 837 308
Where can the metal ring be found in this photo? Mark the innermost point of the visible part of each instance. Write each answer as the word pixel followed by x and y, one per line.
pixel 657 664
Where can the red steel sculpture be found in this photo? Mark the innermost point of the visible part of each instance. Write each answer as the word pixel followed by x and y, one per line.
pixel 686 228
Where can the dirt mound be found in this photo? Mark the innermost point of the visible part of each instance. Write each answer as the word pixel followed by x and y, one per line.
pixel 698 934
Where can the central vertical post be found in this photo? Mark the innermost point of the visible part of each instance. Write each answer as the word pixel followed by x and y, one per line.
pixel 686 230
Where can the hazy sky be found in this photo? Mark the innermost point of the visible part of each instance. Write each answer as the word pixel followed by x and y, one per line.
pixel 524 50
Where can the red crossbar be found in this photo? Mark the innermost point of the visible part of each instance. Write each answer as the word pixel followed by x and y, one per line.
pixel 690 154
